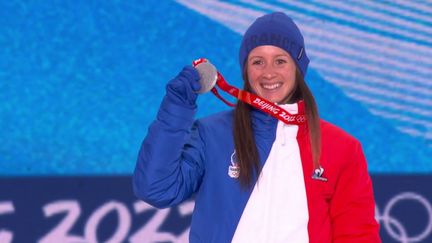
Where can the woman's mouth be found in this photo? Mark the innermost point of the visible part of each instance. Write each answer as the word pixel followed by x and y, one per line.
pixel 271 86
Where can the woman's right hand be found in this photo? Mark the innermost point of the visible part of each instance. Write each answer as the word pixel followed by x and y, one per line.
pixel 183 88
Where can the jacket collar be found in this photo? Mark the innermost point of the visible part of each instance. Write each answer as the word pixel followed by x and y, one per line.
pixel 264 123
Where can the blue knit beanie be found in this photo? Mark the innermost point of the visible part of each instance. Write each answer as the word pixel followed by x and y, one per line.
pixel 276 29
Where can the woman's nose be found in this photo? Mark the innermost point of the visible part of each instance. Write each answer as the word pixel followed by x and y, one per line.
pixel 269 72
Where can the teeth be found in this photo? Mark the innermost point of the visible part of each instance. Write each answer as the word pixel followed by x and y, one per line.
pixel 271 86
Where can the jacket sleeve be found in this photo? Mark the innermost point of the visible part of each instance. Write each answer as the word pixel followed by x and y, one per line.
pixel 352 207
pixel 170 167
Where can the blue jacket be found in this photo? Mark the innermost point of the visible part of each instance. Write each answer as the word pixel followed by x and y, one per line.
pixel 180 157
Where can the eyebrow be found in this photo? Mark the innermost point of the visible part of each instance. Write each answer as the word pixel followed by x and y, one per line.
pixel 257 56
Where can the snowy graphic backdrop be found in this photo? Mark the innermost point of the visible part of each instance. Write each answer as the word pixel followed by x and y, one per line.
pixel 80 81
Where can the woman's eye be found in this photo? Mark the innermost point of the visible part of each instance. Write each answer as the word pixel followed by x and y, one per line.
pixel 280 61
pixel 256 62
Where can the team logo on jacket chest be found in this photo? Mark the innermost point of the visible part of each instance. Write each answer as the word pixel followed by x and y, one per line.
pixel 234 168
pixel 318 174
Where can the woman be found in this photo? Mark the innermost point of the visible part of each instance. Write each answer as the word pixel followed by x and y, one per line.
pixel 258 179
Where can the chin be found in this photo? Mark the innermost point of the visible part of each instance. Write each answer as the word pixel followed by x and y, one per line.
pixel 274 100
pixel 279 100
pixel 274 97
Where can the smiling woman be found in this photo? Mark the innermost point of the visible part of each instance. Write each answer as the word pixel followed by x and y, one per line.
pixel 269 174
pixel 271 73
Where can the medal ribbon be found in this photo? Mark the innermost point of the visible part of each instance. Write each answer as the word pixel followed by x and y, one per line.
pixel 253 100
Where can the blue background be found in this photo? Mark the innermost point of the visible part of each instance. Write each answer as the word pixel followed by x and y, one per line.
pixel 80 82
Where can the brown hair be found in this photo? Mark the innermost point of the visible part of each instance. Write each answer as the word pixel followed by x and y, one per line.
pixel 244 141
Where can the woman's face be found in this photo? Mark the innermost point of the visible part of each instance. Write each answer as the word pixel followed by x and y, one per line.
pixel 271 73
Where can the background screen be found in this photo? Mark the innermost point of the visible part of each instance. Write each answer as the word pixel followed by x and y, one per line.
pixel 81 81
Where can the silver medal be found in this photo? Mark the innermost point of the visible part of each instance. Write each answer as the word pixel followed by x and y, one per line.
pixel 208 76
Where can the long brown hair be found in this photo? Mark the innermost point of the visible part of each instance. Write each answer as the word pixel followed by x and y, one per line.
pixel 244 141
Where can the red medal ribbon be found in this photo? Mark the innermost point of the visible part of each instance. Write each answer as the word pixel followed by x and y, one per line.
pixel 253 100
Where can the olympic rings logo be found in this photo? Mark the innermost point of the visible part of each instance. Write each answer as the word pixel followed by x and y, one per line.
pixel 301 119
pixel 395 228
